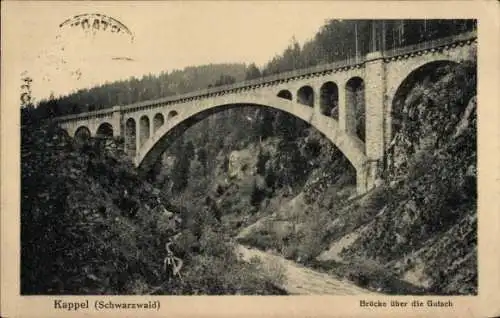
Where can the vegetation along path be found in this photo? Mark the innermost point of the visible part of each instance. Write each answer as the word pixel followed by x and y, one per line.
pixel 299 279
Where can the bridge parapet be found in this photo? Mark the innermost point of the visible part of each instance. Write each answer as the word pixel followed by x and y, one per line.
pixel 430 45
pixel 88 115
pixel 276 79
pixel 250 84
pixel 227 89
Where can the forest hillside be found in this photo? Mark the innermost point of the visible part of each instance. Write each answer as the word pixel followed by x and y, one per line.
pixel 90 225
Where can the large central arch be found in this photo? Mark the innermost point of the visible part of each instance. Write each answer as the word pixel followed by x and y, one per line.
pixel 195 111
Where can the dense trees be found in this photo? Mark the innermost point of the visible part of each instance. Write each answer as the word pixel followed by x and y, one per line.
pixel 346 39
pixel 185 152
pixel 290 59
pixel 91 226
pixel 223 80
pixel 252 72
pixel 148 87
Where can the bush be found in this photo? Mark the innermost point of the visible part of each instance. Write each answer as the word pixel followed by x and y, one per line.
pixel 274 271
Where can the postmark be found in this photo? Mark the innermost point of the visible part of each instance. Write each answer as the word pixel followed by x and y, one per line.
pixel 96 22
pixel 79 43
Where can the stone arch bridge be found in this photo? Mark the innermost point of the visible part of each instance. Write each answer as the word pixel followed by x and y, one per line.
pixel 329 97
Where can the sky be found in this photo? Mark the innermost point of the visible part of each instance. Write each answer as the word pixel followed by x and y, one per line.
pixel 166 36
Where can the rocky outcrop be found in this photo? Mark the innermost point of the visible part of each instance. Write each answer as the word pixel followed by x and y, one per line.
pixel 242 163
pixel 419 226
pixel 427 233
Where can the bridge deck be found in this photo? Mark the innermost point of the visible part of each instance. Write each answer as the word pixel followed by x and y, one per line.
pixel 270 80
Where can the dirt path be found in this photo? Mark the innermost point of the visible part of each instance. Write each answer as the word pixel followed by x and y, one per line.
pixel 302 280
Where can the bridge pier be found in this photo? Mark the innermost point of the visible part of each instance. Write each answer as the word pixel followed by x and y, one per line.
pixel 137 136
pixel 361 180
pixel 375 101
pixel 346 118
pixel 151 127
pixel 367 175
pixel 116 122
pixel 317 100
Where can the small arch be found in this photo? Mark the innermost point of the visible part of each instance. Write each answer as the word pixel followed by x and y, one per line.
pixel 130 136
pixel 143 129
pixel 305 95
pixel 158 121
pixel 355 106
pixel 172 114
pixel 82 134
pixel 105 130
pixel 63 134
pixel 286 94
pixel 329 100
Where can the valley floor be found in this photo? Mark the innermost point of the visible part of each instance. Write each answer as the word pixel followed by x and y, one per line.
pixel 300 280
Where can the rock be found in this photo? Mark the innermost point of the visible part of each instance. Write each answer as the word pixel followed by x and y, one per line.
pixel 379 182
pixel 260 182
pixel 241 164
pixel 466 117
pixel 394 183
pixel 400 239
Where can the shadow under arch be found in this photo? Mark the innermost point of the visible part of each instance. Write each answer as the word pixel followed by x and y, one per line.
pixel 286 94
pixel 351 147
pixel 305 95
pixel 104 130
pixel 417 79
pixel 158 121
pixel 329 99
pixel 144 129
pixel 355 106
pixel 82 134
pixel 172 114
pixel 130 136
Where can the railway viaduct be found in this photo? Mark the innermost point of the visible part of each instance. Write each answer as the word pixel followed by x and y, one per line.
pixel 328 97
